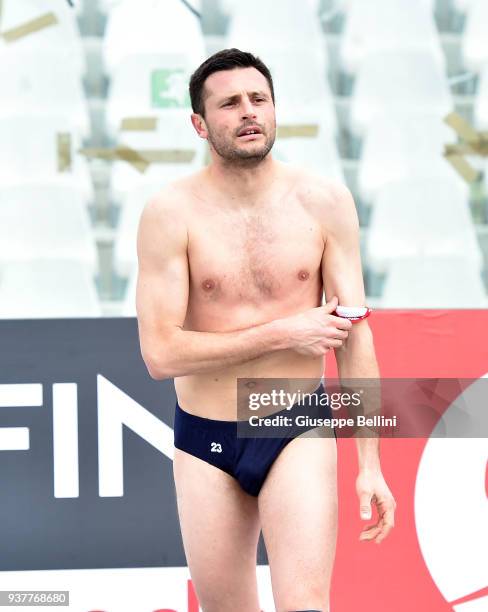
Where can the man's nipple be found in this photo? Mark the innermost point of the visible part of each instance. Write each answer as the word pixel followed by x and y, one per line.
pixel 208 284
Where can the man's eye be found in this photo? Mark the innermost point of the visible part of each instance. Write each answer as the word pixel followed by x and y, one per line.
pixel 228 104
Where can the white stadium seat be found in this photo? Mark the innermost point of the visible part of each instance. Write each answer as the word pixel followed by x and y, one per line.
pixel 480 114
pixel 45 221
pixel 259 27
pixel 474 41
pixel 303 98
pixel 148 85
pixel 174 132
pixel 433 282
pixel 410 82
pixel 229 6
pixel 108 5
pixel 47 288
pixel 302 91
pixel 30 86
pixel 318 154
pixel 480 110
pixel 155 27
pixel 29 154
pixel 62 38
pixel 401 146
pixel 419 237
pixel 129 302
pixel 421 217
pixel 463 5
pixel 125 246
pixel 388 25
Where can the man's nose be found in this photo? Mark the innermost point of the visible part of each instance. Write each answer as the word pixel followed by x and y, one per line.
pixel 247 109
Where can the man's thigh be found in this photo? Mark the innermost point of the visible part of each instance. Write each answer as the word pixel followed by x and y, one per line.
pixel 220 530
pixel 298 512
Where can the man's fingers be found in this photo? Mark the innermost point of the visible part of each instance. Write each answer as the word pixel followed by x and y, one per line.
pixel 340 322
pixel 340 334
pixel 388 522
pixel 369 533
pixel 385 530
pixel 385 524
pixel 379 531
pixel 331 306
pixel 365 505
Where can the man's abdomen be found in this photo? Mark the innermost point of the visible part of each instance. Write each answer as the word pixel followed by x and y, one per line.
pixel 214 394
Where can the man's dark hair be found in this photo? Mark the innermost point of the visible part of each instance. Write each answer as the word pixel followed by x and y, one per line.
pixel 227 59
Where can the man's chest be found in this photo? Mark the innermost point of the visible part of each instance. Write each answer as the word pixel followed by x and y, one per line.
pixel 255 256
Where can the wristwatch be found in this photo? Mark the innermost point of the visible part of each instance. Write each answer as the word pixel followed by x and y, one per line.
pixel 353 313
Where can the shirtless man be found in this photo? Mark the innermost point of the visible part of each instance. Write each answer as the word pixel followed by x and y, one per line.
pixel 233 261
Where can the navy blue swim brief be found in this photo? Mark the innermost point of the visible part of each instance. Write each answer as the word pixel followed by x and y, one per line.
pixel 247 459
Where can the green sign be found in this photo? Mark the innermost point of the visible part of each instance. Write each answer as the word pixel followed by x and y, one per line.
pixel 169 88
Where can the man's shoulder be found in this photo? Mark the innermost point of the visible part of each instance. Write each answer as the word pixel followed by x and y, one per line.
pixel 165 211
pixel 318 192
pixel 173 196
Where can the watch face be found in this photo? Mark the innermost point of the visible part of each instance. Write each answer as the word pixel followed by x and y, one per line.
pixel 353 313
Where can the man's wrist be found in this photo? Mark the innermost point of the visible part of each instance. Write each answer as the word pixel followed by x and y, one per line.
pixel 280 334
pixel 368 453
pixel 371 466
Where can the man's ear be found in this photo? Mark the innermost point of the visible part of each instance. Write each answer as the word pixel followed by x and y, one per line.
pixel 199 124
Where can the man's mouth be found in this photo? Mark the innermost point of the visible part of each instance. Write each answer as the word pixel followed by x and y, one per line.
pixel 249 132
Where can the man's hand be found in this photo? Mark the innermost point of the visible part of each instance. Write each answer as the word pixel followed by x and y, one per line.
pixel 316 330
pixel 371 487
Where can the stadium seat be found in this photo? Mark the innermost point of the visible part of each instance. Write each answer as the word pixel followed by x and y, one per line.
pixel 174 132
pixel 45 221
pixel 155 27
pixel 388 25
pixel 125 245
pixel 480 116
pixel 47 288
pixel 318 154
pixel 433 282
pixel 108 5
pixel 229 6
pixel 474 43
pixel 29 154
pixel 409 82
pixel 421 217
pixel 480 109
pixel 259 27
pixel 463 5
pixel 148 85
pixel 302 91
pixel 79 6
pixel 62 37
pixel 402 146
pixel 419 204
pixel 129 302
pixel 30 86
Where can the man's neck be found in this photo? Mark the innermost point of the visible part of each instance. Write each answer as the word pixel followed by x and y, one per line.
pixel 243 183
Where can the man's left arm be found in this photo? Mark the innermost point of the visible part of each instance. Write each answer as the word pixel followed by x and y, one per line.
pixel 342 277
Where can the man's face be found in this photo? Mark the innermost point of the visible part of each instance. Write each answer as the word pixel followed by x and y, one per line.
pixel 235 100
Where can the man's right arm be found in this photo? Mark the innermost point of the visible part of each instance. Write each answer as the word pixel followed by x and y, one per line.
pixel 162 300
